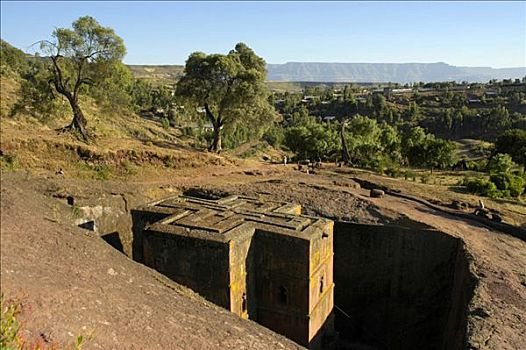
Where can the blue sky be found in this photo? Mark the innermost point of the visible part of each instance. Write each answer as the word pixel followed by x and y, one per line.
pixel 458 33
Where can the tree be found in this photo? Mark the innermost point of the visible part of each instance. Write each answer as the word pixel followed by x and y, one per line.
pixel 448 119
pixel 231 88
pixel 311 139
pixel 80 57
pixel 426 150
pixel 500 163
pixel 513 142
pixel 439 153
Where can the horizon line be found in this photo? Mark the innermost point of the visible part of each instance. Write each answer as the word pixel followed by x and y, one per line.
pixel 322 62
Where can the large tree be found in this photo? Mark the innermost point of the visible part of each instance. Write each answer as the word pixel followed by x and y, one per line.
pixel 513 142
pixel 231 89
pixel 81 56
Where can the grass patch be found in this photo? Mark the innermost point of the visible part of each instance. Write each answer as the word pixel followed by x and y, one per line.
pixel 97 171
pixel 9 162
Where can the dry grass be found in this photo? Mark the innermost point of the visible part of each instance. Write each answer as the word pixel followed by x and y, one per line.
pixel 123 145
pixel 442 188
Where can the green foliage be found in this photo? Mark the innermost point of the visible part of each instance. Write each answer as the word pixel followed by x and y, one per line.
pixel 409 174
pixel 371 144
pixel 188 131
pixel 112 91
pixel 499 185
pixel 12 59
pixel 165 123
pixel 237 134
pixel 9 325
pixel 440 153
pixel 9 161
pixel 500 163
pixel 80 58
pixel 508 184
pixel 141 94
pixel 84 60
pixel 310 139
pixel 87 54
pixel 232 86
pixel 425 150
pixel 384 164
pixel 129 167
pixel 413 113
pixel 481 187
pixel 513 142
pixel 98 171
pixel 35 96
pixel 480 165
pixel 274 135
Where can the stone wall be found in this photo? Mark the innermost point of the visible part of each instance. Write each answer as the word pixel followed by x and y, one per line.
pixel 401 288
pixel 199 264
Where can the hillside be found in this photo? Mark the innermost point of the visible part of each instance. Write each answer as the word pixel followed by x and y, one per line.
pixel 355 72
pixel 164 72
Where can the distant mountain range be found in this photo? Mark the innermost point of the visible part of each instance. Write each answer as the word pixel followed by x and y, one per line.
pixel 386 72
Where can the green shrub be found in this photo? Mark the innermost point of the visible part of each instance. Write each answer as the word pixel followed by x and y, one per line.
pixel 510 185
pixel 99 171
pixel 166 123
pixel 9 326
pixel 187 131
pixel 500 163
pixel 9 161
pixel 10 337
pixel 481 187
pixel 478 165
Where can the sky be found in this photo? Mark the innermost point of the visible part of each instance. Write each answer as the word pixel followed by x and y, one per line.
pixel 469 33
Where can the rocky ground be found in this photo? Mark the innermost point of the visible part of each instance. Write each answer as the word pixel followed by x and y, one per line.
pixel 71 282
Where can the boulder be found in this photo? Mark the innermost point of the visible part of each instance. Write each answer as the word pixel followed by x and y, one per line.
pixel 376 193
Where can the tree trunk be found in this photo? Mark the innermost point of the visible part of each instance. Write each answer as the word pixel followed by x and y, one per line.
pixel 217 123
pixel 79 122
pixel 345 150
pixel 216 143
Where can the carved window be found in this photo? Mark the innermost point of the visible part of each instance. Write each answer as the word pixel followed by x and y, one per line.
pixel 244 303
pixel 282 295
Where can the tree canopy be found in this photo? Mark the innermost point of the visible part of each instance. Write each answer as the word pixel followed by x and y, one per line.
pixel 231 88
pixel 513 142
